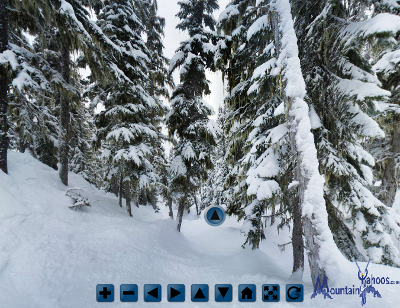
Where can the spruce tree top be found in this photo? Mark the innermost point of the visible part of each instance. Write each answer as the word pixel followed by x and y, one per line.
pixel 194 13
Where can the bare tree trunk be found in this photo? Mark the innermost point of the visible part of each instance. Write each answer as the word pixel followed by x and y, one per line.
pixel 114 188
pixel 181 208
pixel 65 116
pixel 3 87
pixel 301 222
pixel 128 197
pixel 273 213
pixel 171 214
pixel 153 198
pixel 390 179
pixel 311 235
pixel 121 189
pixel 197 206
pixel 297 232
pixel 297 239
pixel 136 198
pixel 143 196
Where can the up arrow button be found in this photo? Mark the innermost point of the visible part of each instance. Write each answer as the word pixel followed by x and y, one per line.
pixel 215 215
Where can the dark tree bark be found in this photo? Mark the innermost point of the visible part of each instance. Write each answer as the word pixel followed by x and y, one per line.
pixel 181 208
pixel 273 213
pixel 65 116
pixel 297 239
pixel 114 188
pixel 342 235
pixel 297 232
pixel 197 206
pixel 153 198
pixel 128 197
pixel 143 197
pixel 3 87
pixel 121 188
pixel 390 179
pixel 136 198
pixel 171 214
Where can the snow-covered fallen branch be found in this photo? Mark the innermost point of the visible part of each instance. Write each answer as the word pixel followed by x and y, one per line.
pixel 79 200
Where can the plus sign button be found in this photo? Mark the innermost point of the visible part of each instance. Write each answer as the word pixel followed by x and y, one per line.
pixel 105 293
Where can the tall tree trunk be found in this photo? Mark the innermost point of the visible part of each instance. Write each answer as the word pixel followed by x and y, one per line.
pixel 197 206
pixel 121 189
pixel 297 232
pixel 143 196
pixel 114 188
pixel 273 213
pixel 136 197
pixel 128 197
pixel 390 178
pixel 153 199
pixel 3 87
pixel 297 239
pixel 65 116
pixel 181 208
pixel 311 203
pixel 171 213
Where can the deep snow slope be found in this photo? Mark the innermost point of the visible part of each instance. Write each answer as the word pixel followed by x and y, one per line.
pixel 51 256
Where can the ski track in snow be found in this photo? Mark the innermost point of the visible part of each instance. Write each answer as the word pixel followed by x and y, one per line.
pixel 51 256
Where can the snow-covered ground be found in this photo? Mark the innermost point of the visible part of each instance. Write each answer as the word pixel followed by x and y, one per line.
pixel 51 256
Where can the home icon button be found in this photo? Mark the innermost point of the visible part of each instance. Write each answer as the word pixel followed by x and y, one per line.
pixel 247 293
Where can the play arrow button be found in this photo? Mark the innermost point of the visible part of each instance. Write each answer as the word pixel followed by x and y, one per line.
pixel 154 293
pixel 174 292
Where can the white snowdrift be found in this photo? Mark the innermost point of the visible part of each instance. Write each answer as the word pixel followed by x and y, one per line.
pixel 51 256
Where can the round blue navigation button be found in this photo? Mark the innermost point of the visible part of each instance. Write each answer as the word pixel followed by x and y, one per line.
pixel 215 215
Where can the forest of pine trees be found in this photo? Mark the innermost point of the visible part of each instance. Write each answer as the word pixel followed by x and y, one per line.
pixel 307 137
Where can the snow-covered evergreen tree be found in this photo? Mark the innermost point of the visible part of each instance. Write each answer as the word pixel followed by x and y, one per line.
pixel 125 126
pixel 83 160
pixel 76 32
pixel 32 123
pixel 384 54
pixel 189 115
pixel 343 94
pixel 235 57
pixel 3 87
pixel 159 79
pixel 214 190
pixel 251 97
pixel 20 70
pixel 269 162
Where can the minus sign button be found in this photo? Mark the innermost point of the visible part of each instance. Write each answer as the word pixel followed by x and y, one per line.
pixel 128 292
